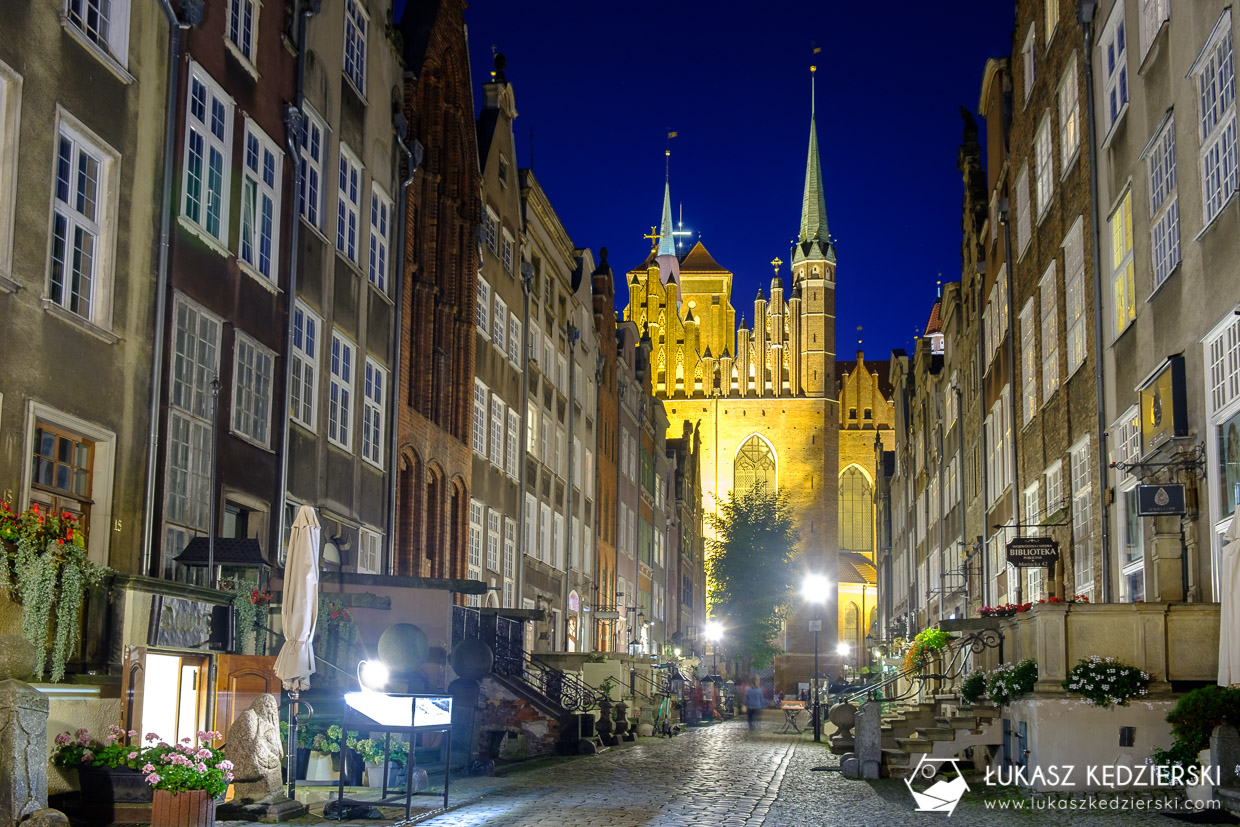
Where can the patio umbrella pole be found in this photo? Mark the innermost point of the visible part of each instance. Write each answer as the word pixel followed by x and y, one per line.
pixel 293 695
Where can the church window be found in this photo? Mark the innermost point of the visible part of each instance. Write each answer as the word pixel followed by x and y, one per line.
pixel 851 622
pixel 856 517
pixel 852 413
pixel 755 466
pixel 869 413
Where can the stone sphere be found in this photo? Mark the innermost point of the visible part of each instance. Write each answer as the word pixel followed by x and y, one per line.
pixel 843 716
pixel 472 659
pixel 17 658
pixel 403 647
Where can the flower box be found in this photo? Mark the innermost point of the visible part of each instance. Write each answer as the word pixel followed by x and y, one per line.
pixel 188 808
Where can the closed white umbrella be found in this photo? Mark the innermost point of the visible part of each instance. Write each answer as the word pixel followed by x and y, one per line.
pixel 1229 606
pixel 299 611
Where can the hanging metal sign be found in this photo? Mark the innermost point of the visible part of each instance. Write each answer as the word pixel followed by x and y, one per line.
pixel 1032 551
pixel 1159 500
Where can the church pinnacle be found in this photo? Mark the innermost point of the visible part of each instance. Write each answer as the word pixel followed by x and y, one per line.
pixel 815 239
pixel 665 254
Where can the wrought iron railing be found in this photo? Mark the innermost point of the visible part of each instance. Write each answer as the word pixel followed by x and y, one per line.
pixel 961 651
pixel 564 690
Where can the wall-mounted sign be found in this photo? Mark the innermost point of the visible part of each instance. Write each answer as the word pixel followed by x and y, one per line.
pixel 574 601
pixel 1158 500
pixel 1032 551
pixel 178 623
pixel 1164 405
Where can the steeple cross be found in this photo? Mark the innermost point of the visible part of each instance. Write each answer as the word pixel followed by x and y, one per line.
pixel 654 238
pixel 775 262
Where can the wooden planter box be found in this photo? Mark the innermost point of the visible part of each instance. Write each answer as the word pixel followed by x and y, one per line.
pixel 194 808
pixel 115 794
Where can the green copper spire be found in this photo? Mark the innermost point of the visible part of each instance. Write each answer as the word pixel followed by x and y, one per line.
pixel 815 240
pixel 667 243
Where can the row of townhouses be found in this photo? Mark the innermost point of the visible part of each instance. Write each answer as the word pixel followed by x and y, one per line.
pixel 1092 343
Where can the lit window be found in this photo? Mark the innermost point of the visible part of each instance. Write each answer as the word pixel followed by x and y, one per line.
pixel 1029 61
pixel 1044 166
pixel 243 26
pixel 208 154
pixel 1082 519
pixel 1024 220
pixel 1114 69
pixel 313 145
pixel 1074 288
pixel 380 226
pixel 1069 116
pixel 514 435
pixel 253 367
pixel 1028 362
pixel 259 242
pixel 79 219
pixel 1051 10
pixel 1215 73
pixel 1050 332
pixel 350 204
pixel 1164 203
pixel 355 25
pixel 1122 270
pixel 340 396
pixel 303 404
pixel 374 401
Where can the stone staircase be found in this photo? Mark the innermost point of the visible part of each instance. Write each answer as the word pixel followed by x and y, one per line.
pixel 947 736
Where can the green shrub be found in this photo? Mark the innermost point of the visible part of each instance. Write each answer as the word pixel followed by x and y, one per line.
pixel 1197 714
pixel 973 688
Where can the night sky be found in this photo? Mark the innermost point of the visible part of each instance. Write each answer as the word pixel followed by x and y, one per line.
pixel 600 84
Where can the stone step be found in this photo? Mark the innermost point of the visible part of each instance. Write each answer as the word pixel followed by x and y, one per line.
pixel 962 721
pixel 897 758
pixel 1229 799
pixel 939 733
pixel 915 745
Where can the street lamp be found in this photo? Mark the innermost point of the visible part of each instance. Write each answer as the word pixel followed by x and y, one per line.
pixel 714 633
pixel 843 651
pixel 815 590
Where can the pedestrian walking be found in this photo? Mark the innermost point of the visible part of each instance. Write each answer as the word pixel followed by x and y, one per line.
pixel 754 703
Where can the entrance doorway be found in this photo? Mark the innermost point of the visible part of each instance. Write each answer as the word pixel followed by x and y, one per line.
pixel 167 694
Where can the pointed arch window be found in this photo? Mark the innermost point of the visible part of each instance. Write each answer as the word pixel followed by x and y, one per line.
pixel 755 466
pixel 856 514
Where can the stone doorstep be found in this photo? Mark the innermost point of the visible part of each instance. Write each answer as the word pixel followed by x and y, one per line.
pixel 915 745
pixel 1229 798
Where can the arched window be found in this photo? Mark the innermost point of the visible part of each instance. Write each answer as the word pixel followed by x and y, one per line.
pixel 856 511
pixel 755 465
pixel 851 620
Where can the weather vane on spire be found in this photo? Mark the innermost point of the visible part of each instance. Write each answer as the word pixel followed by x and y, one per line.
pixel 858 337
pixel 667 152
pixel 813 71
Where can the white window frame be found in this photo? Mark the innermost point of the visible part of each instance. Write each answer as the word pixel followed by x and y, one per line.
pixel 508 255
pixel 312 150
pixel 307 342
pixel 94 299
pixel 499 323
pixel 1044 164
pixel 480 418
pixel 349 185
pixel 531 526
pixel 545 551
pixel 10 117
pixel 252 390
pixel 108 37
pixel 483 316
pixel 1123 268
pixel 499 416
pixel 374 406
pixel 477 528
pixel 1069 98
pixel 1082 519
pixel 490 230
pixel 1032 510
pixel 514 340
pixel 1029 61
pixel 380 238
pixel 342 361
pixel 1164 202
pixel 204 140
pixel 558 540
pixel 513 452
pixel 1113 47
pixel 1052 476
pixel 187 477
pixel 1050 18
pixel 510 559
pixel 356 27
pixel 1029 361
pixel 494 538
pixel 262 183
pixel 242 32
pixel 1074 292
pixel 1024 216
pixel 369 551
pixel 1214 74
pixel 1153 14
pixel 1049 307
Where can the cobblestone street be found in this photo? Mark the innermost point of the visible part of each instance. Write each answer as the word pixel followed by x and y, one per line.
pixel 726 775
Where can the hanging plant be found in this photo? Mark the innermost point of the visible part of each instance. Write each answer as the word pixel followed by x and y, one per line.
pixel 925 644
pixel 43 566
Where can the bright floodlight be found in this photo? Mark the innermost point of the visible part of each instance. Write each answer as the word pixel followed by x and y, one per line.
pixel 373 675
pixel 676 651
pixel 714 630
pixel 815 588
pixel 842 650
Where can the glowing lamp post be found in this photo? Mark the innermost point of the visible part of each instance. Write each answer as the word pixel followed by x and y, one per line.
pixel 815 590
pixel 714 633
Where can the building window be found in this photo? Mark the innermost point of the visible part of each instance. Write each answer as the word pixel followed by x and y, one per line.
pixel 510 559
pixel 1074 288
pixel 1082 519
pixel 1215 73
pixel 380 220
pixel 104 23
pixel 1222 363
pixel 79 216
pixel 313 146
pixel 476 529
pixel 261 185
pixel 1164 204
pixel 355 25
pixel 755 466
pixel 303 396
pixel 1114 69
pixel 1044 166
pixel 10 109
pixel 1033 511
pixel 340 395
pixel 1153 13
pixel 514 340
pixel 1051 14
pixel 243 26
pixel 856 511
pixel 208 154
pixel 369 552
pixel 350 204
pixel 1069 116
pixel 1053 479
pixel 480 418
pixel 1029 62
pixel 374 403
pixel 514 435
pixel 1132 549
pixel 490 230
pixel 253 366
pixel 498 416
pixel 61 472
pixel 484 306
pixel 508 254
pixel 1050 333
pixel 1123 286
pixel 1024 219
pixel 544 533
pixel 531 526
pixel 499 323
pixel 1028 362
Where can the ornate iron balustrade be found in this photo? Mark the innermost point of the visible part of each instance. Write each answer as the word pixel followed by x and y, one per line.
pixel 973 643
pixel 566 691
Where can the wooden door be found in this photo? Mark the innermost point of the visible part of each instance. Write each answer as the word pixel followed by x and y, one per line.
pixel 133 679
pixel 239 679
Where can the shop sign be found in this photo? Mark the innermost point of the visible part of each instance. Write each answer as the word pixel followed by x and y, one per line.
pixel 1159 500
pixel 1164 405
pixel 1032 551
pixel 178 623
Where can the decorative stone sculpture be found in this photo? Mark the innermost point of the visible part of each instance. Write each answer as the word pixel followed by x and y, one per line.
pixel 23 736
pixel 254 749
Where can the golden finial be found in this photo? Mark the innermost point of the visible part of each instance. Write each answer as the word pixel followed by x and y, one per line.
pixel 858 335
pixel 775 262
pixel 654 239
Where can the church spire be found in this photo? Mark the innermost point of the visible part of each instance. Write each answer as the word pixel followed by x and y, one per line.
pixel 667 242
pixel 665 254
pixel 815 237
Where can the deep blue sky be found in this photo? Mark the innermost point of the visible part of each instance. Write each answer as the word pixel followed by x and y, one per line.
pixel 600 83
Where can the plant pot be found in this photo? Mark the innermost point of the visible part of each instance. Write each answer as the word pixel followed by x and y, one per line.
pixel 303 762
pixel 113 785
pixel 192 808
pixel 352 769
pixel 319 767
pixel 374 775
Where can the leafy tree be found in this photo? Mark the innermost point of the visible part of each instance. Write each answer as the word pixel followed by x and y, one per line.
pixel 750 572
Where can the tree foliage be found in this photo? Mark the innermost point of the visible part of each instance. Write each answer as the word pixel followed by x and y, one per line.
pixel 750 572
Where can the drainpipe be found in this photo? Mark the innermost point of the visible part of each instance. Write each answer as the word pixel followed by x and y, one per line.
pixel 294 122
pixel 1085 15
pixel 573 335
pixel 413 157
pixel 981 433
pixel 527 287
pixel 175 25
pixel 1004 216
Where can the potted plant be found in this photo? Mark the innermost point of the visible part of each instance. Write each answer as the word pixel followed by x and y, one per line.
pixel 329 741
pixel 187 779
pixel 1106 681
pixel 371 751
pixel 108 771
pixel 1011 680
pixel 925 647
